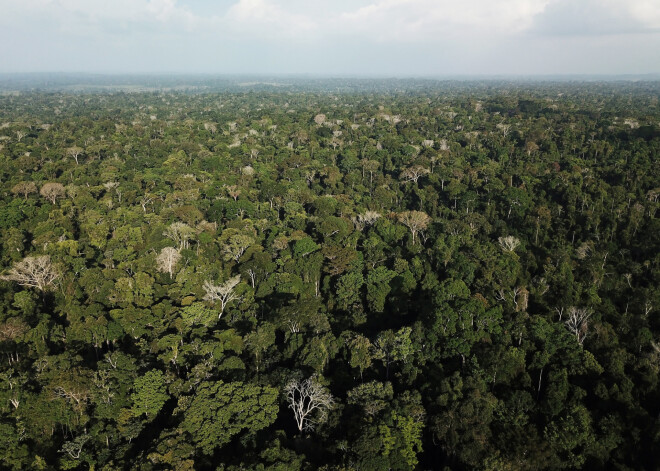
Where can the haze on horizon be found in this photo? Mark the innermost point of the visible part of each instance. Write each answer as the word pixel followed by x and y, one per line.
pixel 342 37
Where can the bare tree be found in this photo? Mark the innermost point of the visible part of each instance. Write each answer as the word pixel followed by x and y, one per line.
pixel 211 127
pixel 508 243
pixel 369 166
pixel 365 220
pixel 415 220
pixel 52 191
pixel 144 201
pixel 414 173
pixel 75 152
pixel 577 322
pixel 305 397
pixel 74 447
pixel 648 307
pixel 167 260
pixel 180 233
pixel 24 188
pixel 225 293
pixel 233 191
pixel 504 128
pixel 35 272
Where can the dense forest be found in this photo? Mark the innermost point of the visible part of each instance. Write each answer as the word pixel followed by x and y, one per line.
pixel 446 276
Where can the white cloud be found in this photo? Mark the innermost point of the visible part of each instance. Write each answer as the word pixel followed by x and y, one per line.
pixel 421 20
pixel 409 21
pixel 598 17
pixel 415 36
pixel 88 15
pixel 647 12
pixel 268 19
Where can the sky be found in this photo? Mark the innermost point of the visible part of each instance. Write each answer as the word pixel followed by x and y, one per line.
pixel 400 38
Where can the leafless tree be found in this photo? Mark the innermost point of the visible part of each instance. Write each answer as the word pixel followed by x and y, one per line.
pixel 414 173
pixel 225 293
pixel 508 243
pixel 52 191
pixel 113 186
pixel 648 307
pixel 144 201
pixel 233 191
pixel 24 188
pixel 369 166
pixel 504 128
pixel 211 127
pixel 12 329
pixel 77 394
pixel 167 260
pixel 365 220
pixel 75 152
pixel 305 397
pixel 74 448
pixel 181 233
pixel 35 272
pixel 20 135
pixel 577 322
pixel 415 221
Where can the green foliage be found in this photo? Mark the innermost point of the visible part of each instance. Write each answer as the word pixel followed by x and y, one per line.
pixel 378 287
pixel 149 394
pixel 436 311
pixel 218 411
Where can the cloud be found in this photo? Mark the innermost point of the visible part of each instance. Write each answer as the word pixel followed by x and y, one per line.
pixel 380 21
pixel 647 12
pixel 598 17
pixel 423 20
pixel 268 19
pixel 320 36
pixel 98 16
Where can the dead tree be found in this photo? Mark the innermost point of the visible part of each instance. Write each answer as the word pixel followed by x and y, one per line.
pixel 415 221
pixel 167 260
pixel 577 322
pixel 310 402
pixel 225 293
pixel 34 272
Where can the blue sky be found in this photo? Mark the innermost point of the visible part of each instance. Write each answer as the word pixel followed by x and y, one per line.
pixel 332 37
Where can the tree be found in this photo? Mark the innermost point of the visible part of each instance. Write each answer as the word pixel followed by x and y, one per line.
pixel 508 243
pixel 225 293
pixel 198 314
pixel 74 447
pixel 360 348
pixel 366 219
pixel 75 152
pixel 414 173
pixel 52 191
pixel 310 402
pixel 219 411
pixel 390 347
pixel 167 260
pixel 34 272
pixel 236 246
pixel 577 322
pixel 378 287
pixel 180 233
pixel 415 221
pixel 259 341
pixel 24 188
pixel 149 394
